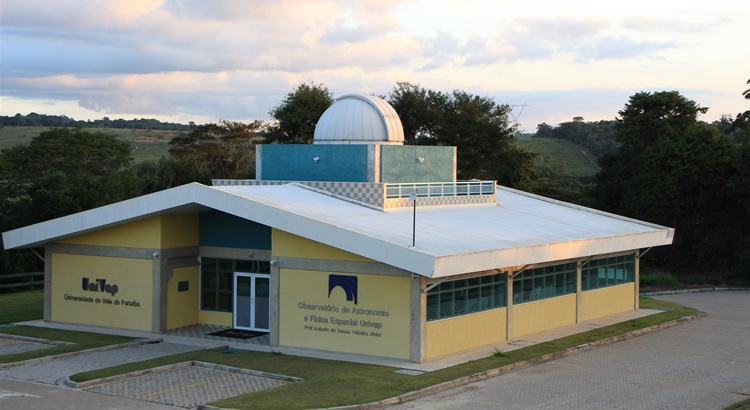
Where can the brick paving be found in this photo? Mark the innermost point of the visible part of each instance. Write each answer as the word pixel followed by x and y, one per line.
pixel 703 364
pixel 13 346
pixel 189 386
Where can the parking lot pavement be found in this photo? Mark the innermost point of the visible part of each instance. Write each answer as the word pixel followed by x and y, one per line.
pixel 702 364
pixel 13 346
pixel 187 386
pixel 55 371
pixel 24 395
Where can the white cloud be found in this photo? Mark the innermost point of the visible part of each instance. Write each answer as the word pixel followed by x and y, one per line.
pixel 236 59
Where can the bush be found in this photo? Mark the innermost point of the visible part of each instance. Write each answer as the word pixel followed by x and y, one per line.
pixel 659 279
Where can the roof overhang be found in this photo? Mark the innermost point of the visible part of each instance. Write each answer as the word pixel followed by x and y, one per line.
pixel 196 196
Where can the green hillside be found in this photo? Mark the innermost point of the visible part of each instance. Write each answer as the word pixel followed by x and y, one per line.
pixel 147 144
pixel 560 157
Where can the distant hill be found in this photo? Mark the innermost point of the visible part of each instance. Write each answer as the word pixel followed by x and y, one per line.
pixel 35 120
pixel 560 157
pixel 147 144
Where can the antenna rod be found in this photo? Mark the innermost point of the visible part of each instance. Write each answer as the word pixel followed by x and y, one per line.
pixel 414 220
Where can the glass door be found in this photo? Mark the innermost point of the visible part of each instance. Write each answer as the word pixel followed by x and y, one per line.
pixel 251 301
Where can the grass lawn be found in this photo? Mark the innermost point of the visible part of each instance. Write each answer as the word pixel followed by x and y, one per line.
pixel 742 405
pixel 560 156
pixel 20 306
pixel 331 383
pixel 146 144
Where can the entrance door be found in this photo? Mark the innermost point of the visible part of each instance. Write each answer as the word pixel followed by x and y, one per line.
pixel 251 301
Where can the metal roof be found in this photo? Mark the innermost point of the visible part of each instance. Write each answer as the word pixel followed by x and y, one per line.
pixel 520 229
pixel 359 119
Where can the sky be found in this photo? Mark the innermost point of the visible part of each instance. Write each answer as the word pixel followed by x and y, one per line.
pixel 202 61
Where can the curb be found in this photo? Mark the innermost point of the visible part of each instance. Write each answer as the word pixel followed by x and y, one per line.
pixel 694 290
pixel 462 381
pixel 188 363
pixel 35 340
pixel 88 383
pixel 78 352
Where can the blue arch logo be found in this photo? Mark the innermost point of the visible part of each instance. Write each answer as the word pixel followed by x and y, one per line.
pixel 345 282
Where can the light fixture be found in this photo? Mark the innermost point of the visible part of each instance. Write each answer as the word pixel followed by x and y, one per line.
pixel 316 159
pixel 420 159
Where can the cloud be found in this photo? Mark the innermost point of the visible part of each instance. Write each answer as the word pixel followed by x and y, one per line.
pixel 619 48
pixel 236 59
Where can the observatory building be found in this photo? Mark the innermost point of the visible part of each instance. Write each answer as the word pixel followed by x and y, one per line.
pixel 323 252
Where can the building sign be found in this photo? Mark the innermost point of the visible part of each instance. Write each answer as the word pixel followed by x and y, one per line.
pixel 347 283
pixel 100 286
pixel 367 314
pixel 114 292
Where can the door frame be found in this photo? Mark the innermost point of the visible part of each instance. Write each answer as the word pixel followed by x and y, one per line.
pixel 253 276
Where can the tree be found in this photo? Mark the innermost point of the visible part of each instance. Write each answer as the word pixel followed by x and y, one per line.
pixel 298 113
pixel 746 93
pixel 61 171
pixel 223 150
pixel 421 112
pixel 650 116
pixel 675 171
pixel 478 126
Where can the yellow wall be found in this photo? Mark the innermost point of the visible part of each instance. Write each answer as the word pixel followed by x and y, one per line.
pixel 182 307
pixel 210 317
pixel 606 301
pixel 298 328
pixel 180 230
pixel 144 233
pixel 460 333
pixel 532 317
pixel 165 231
pixel 286 244
pixel 133 278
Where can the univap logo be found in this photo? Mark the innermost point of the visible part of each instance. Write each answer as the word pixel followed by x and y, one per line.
pixel 98 285
pixel 345 282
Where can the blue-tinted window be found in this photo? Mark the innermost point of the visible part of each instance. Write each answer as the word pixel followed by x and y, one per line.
pixel 615 270
pixel 464 296
pixel 543 283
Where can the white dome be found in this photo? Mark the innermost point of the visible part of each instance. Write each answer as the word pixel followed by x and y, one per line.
pixel 359 119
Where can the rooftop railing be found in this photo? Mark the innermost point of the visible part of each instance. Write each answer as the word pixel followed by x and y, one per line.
pixel 439 189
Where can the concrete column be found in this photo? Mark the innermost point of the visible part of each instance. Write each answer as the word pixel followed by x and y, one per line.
pixel 47 284
pixel 274 302
pixel 156 294
pixel 578 291
pixel 637 277
pixel 509 308
pixel 259 162
pixel 418 319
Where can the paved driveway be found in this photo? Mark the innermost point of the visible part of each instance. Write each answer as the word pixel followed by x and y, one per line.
pixel 55 371
pixel 24 395
pixel 703 364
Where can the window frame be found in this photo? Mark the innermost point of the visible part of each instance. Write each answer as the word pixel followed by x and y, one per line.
pixel 525 287
pixel 596 273
pixel 484 290
pixel 235 265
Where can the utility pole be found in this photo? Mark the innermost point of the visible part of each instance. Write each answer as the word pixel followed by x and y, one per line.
pixel 413 197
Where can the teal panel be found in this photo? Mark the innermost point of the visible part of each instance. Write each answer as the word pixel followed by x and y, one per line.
pixel 295 162
pixel 228 231
pixel 400 163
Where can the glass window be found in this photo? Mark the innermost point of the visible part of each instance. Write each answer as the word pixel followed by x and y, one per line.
pixel 217 276
pixel 463 296
pixel 543 283
pixel 616 270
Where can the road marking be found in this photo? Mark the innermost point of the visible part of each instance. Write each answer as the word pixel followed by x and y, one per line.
pixel 7 393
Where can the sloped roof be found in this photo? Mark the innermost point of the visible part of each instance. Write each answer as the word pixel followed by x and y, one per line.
pixel 521 229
